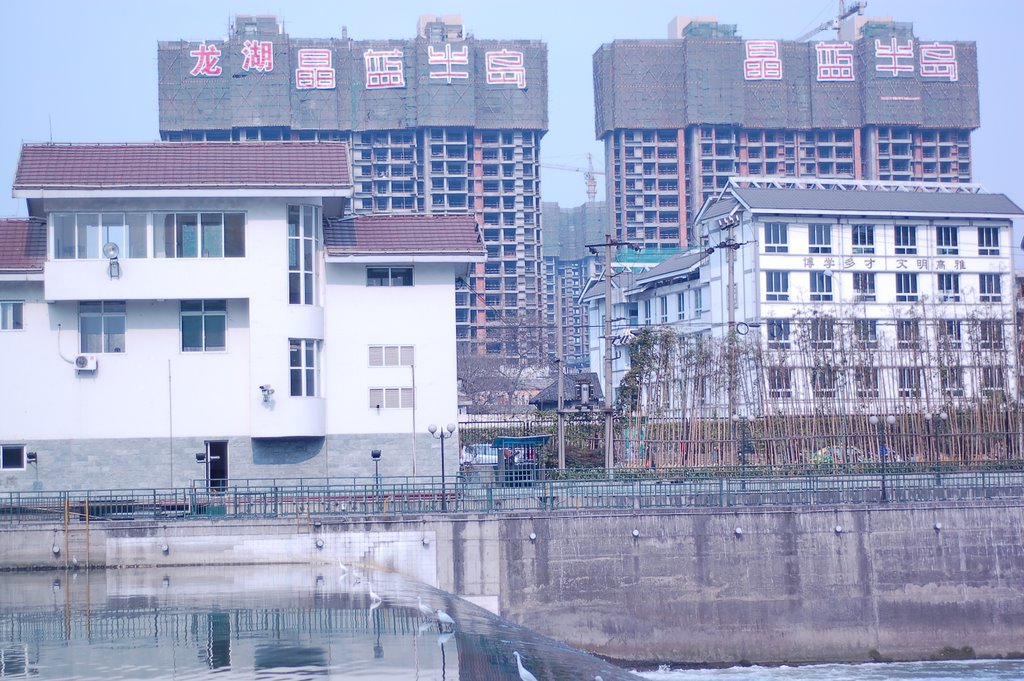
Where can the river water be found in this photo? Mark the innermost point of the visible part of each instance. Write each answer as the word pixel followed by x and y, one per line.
pixel 317 622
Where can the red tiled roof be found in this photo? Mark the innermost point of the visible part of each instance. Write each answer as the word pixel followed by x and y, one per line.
pixel 22 244
pixel 192 165
pixel 401 234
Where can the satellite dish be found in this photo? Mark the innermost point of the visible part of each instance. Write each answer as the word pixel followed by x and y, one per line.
pixel 110 250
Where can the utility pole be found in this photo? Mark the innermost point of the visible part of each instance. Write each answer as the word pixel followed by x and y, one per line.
pixel 729 222
pixel 609 427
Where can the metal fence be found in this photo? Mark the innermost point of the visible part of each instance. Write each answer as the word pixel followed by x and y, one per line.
pixel 483 491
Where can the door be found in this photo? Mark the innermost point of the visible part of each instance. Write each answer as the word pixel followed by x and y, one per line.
pixel 216 464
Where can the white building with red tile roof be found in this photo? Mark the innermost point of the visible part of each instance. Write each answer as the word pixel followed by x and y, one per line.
pixel 167 300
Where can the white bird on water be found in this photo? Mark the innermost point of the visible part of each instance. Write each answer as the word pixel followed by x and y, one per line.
pixel 375 600
pixel 444 619
pixel 524 673
pixel 424 608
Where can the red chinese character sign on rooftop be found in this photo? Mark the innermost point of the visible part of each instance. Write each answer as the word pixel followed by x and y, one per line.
pixel 384 69
pixel 890 57
pixel 447 60
pixel 505 66
pixel 835 62
pixel 258 55
pixel 315 70
pixel 762 62
pixel 207 60
pixel 938 60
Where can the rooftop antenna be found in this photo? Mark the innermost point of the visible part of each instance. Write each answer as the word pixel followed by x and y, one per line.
pixel 49 118
pixel 833 23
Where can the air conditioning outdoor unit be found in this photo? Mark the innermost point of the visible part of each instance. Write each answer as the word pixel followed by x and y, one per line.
pixel 85 362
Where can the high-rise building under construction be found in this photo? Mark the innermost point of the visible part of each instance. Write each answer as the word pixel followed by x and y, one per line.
pixel 679 116
pixel 443 123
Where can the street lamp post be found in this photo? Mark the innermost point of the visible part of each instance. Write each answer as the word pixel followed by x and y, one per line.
pixel 375 455
pixel 442 436
pixel 883 448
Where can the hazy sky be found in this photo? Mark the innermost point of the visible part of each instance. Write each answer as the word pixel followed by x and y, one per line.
pixel 85 71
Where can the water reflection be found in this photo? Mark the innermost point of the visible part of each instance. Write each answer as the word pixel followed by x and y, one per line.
pixel 281 623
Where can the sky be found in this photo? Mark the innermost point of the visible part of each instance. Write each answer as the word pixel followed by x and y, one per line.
pixel 75 71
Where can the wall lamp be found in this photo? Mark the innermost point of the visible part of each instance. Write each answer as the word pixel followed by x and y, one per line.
pixel 31 457
pixel 267 392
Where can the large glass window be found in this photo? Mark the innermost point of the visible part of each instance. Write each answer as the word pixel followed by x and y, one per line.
pixel 12 315
pixel 776 237
pixel 203 325
pixel 906 286
pixel 906 239
pixel 864 287
pixel 776 285
pixel 866 379
pixel 990 334
pixel 949 287
pixel 83 235
pixel 863 239
pixel 101 326
pixel 990 288
pixel 819 238
pixel 778 333
pixel 988 241
pixel 947 240
pixel 305 367
pixel 866 332
pixel 199 235
pixel 821 286
pixel 303 224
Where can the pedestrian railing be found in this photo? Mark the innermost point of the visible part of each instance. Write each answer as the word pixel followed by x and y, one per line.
pixel 541 490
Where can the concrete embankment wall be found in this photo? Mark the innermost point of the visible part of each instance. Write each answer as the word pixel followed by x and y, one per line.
pixel 692 585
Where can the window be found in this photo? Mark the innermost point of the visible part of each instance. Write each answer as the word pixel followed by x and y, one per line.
pixel 988 241
pixel 821 286
pixel 863 239
pixel 648 314
pixel 303 222
pixel 906 239
pixel 681 305
pixel 199 235
pixel 866 332
pixel 391 398
pixel 947 240
pixel 949 287
pixel 908 334
pixel 391 355
pixel 776 285
pixel 776 237
pixel 951 381
pixel 698 302
pixel 990 334
pixel 819 238
pixel 12 315
pixel 906 287
pixel 823 381
pixel 83 235
pixel 12 456
pixel 990 288
pixel 864 287
pixel 305 367
pixel 780 382
pixel 389 276
pixel 821 332
pixel 948 333
pixel 993 380
pixel 908 382
pixel 101 326
pixel 866 379
pixel 778 334
pixel 663 307
pixel 203 325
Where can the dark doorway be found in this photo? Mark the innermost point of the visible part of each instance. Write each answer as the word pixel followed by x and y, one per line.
pixel 216 464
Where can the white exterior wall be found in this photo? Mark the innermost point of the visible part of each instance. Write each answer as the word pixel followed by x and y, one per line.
pixel 140 418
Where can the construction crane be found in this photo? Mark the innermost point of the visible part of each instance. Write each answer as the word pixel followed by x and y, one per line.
pixel 833 23
pixel 589 175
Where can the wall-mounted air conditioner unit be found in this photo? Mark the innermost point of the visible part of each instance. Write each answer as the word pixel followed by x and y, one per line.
pixel 85 363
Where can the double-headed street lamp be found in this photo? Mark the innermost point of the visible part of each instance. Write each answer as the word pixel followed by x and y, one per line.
pixel 441 435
